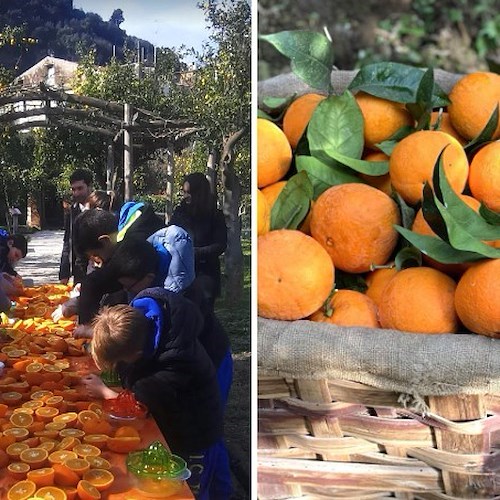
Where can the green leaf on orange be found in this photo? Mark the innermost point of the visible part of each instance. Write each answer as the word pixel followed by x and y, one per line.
pixel 293 202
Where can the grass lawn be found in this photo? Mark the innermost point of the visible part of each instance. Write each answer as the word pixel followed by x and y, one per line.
pixel 236 317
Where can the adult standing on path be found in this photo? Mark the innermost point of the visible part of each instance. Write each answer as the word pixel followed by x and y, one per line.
pixel 73 264
pixel 199 216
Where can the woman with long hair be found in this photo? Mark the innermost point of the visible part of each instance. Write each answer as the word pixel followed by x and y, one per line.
pixel 199 216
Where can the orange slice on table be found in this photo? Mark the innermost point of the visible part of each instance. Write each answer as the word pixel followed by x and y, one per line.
pixel 21 418
pixel 86 450
pixel 33 404
pixel 26 411
pixel 96 408
pixel 72 432
pixel 21 490
pixel 46 413
pixel 19 433
pixel 21 365
pixel 49 445
pixel 100 426
pixel 87 416
pixel 34 457
pixel 59 456
pixel 99 440
pixel 102 479
pixel 16 353
pixel 87 491
pixel 34 367
pixel 68 418
pixel 18 470
pixel 55 401
pixel 65 476
pixel 79 465
pixel 51 493
pixel 11 398
pixel 55 426
pixel 42 477
pixel 52 368
pixel 68 443
pixel 99 463
pixel 41 395
pixel 14 450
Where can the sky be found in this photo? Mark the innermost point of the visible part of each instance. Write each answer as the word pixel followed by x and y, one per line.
pixel 164 23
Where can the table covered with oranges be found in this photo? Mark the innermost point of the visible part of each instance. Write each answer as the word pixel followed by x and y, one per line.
pixel 56 443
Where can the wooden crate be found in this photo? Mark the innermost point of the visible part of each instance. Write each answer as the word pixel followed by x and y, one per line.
pixel 332 438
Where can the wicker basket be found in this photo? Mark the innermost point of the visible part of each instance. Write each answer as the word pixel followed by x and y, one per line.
pixel 335 437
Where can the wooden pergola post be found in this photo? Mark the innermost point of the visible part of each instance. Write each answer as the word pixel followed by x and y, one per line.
pixel 127 153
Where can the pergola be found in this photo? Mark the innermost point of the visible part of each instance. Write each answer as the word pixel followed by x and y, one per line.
pixel 23 108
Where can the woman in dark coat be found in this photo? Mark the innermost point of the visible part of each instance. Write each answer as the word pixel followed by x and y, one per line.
pixel 199 216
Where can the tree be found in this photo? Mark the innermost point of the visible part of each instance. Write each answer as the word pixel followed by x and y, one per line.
pixel 219 101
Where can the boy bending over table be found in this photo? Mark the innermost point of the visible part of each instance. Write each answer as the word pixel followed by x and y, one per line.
pixel 153 345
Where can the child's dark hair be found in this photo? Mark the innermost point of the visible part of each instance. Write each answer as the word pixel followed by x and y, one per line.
pixel 81 174
pixel 19 241
pixel 133 258
pixel 91 224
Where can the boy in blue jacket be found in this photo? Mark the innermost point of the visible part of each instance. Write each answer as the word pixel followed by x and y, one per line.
pixel 153 344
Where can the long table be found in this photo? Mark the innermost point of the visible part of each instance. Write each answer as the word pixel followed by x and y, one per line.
pixel 122 487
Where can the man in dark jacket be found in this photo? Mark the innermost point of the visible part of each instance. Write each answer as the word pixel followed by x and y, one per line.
pixel 154 347
pixel 73 263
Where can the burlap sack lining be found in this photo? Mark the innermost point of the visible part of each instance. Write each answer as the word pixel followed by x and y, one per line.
pixel 288 84
pixel 409 363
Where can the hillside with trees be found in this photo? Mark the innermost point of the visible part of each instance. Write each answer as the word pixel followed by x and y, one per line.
pixel 56 28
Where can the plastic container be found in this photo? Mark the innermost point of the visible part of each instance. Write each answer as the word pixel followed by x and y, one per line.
pixel 125 410
pixel 157 472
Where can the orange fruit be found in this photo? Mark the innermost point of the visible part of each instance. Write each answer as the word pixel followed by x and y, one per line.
pixel 64 476
pixel 98 463
pixel 35 457
pixel 11 398
pixel 6 440
pixel 19 433
pixel 354 223
pixel 14 450
pixel 274 154
pixel 382 118
pixel 68 443
pixel 87 491
pixel 86 450
pixel 59 456
pixel 484 175
pixel 46 413
pixel 49 445
pixel 413 158
pixel 71 492
pixel 127 431
pixel 22 419
pixel 377 280
pixel 18 470
pixel 79 465
pixel 477 299
pixel 41 395
pixel 297 116
pixel 445 125
pixel 33 404
pixel 102 479
pixel 51 493
pixel 382 182
pixel 21 490
pixel 87 416
pixel 42 477
pixel 99 440
pixel 68 418
pixel 72 432
pixel 100 426
pixel 55 426
pixel 420 300
pixel 3 409
pixel 473 100
pixel 263 214
pixel 4 459
pixel 295 275
pixel 349 308
pixel 123 444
